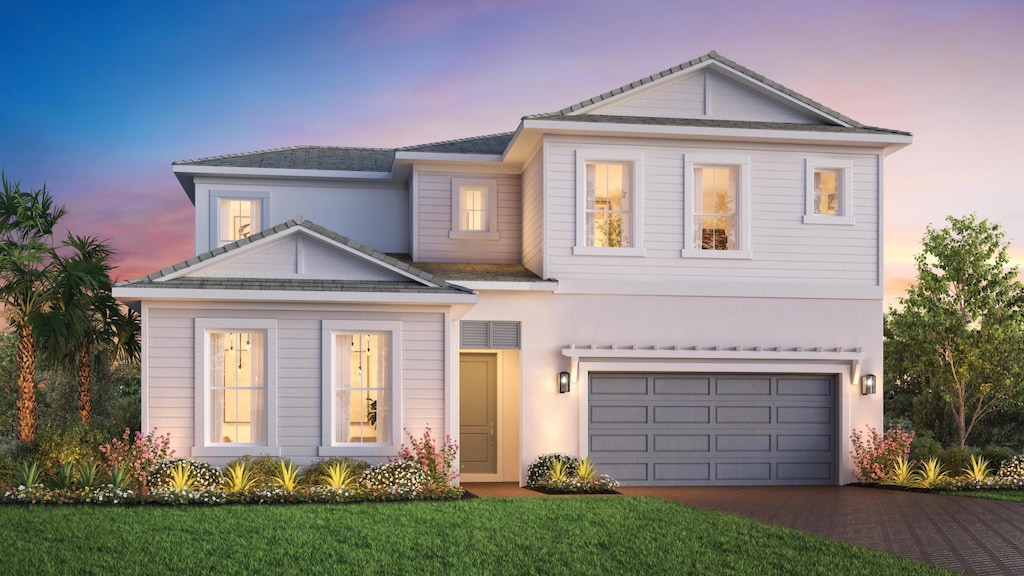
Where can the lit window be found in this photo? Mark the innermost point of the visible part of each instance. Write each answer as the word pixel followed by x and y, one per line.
pixel 609 202
pixel 361 389
pixel 238 219
pixel 829 192
pixel 474 209
pixel 714 212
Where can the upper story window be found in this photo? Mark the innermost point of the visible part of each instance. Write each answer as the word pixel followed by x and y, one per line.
pixel 829 192
pixel 361 387
pixel 239 218
pixel 474 209
pixel 716 196
pixel 608 201
pixel 235 386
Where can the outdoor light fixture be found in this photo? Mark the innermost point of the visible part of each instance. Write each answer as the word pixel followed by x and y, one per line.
pixel 563 382
pixel 867 384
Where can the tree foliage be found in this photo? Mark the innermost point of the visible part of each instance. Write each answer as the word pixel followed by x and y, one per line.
pixel 958 334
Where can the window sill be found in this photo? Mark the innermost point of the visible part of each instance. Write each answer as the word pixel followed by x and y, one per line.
pixel 356 449
pixel 829 220
pixel 718 254
pixel 469 235
pixel 236 450
pixel 594 251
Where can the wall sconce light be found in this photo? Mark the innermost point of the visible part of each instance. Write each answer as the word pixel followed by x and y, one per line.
pixel 867 384
pixel 563 382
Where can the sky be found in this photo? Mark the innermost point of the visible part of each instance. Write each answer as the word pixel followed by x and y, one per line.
pixel 98 98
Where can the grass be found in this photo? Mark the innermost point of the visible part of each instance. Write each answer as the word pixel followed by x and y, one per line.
pixel 1004 495
pixel 592 535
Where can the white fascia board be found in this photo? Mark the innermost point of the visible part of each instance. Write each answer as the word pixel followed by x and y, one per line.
pixel 894 141
pixel 717 289
pixel 279 173
pixel 507 286
pixel 170 294
pixel 699 353
pixel 445 157
pixel 284 234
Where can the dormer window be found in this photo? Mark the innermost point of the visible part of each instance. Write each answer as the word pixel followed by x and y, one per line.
pixel 239 218
pixel 474 209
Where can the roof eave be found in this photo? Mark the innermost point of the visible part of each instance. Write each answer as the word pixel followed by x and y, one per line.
pixel 135 293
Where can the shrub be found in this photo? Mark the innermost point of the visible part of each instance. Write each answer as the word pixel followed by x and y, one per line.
pixel 437 462
pixel 206 476
pixel 924 447
pixel 8 471
pixel 1012 468
pixel 239 477
pixel 996 455
pixel 979 470
pixel 263 468
pixel 55 445
pixel 956 458
pixel 931 474
pixel 139 454
pixel 287 476
pixel 540 468
pixel 315 473
pixel 875 455
pixel 397 480
pixel 901 474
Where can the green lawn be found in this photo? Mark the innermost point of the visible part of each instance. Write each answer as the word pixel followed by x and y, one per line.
pixel 583 535
pixel 1005 495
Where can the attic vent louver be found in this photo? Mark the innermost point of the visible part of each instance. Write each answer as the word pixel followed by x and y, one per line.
pixel 489 335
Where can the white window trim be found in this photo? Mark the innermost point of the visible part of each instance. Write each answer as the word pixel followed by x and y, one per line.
pixel 216 196
pixel 742 164
pixel 203 328
pixel 490 210
pixel 589 155
pixel 845 217
pixel 329 330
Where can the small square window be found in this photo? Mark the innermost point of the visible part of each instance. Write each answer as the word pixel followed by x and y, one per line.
pixel 828 192
pixel 474 209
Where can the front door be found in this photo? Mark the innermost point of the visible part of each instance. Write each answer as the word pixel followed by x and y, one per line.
pixel 478 412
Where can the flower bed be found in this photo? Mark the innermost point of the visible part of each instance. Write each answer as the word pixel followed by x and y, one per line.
pixel 564 474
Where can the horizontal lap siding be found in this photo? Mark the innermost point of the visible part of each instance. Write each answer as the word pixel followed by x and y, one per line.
pixel 784 248
pixel 533 215
pixel 435 221
pixel 171 372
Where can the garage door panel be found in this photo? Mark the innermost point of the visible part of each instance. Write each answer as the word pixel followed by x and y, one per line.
pixel 618 443
pixel 681 472
pixel 618 414
pixel 664 386
pixel 743 442
pixel 743 386
pixel 743 414
pixel 699 429
pixel 682 415
pixel 682 443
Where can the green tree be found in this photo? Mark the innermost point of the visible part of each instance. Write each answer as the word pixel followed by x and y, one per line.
pixel 27 220
pixel 84 322
pixel 958 332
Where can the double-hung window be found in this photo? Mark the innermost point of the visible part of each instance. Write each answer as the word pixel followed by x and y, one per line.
pixel 716 196
pixel 828 192
pixel 608 202
pixel 474 209
pixel 235 386
pixel 360 387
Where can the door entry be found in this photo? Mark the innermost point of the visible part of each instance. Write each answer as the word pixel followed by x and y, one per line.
pixel 478 413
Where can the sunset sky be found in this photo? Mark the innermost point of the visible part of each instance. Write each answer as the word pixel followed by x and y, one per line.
pixel 97 99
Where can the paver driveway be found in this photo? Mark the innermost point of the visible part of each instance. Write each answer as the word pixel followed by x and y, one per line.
pixel 969 535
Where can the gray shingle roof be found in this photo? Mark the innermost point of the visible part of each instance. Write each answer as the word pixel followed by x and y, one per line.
pixel 275 284
pixel 489 144
pixel 690 64
pixel 455 272
pixel 305 158
pixel 298 285
pixel 738 124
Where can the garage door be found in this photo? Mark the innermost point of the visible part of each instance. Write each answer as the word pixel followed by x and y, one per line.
pixel 706 429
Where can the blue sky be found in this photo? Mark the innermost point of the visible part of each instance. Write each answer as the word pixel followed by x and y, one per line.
pixel 97 99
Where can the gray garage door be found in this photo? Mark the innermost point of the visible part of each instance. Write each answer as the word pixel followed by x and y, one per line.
pixel 698 429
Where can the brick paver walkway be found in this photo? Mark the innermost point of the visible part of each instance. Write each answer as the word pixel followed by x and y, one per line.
pixel 969 535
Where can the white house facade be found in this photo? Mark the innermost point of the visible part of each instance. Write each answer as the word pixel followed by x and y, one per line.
pixel 680 278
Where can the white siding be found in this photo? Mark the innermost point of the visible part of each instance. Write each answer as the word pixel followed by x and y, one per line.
pixel 171 387
pixel 704 94
pixel 533 213
pixel 783 248
pixel 435 221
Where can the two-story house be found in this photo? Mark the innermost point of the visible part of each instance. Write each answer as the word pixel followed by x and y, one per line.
pixel 680 278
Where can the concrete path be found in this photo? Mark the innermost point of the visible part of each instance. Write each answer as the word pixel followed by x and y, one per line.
pixel 969 535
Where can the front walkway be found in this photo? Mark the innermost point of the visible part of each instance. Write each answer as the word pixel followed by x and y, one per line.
pixel 970 535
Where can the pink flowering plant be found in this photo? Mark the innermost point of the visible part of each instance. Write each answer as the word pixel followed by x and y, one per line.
pixel 875 455
pixel 138 454
pixel 437 461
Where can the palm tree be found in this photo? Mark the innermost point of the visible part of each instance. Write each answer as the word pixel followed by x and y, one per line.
pixel 26 261
pixel 84 322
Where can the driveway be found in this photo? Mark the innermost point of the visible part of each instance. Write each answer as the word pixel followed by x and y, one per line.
pixel 969 535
